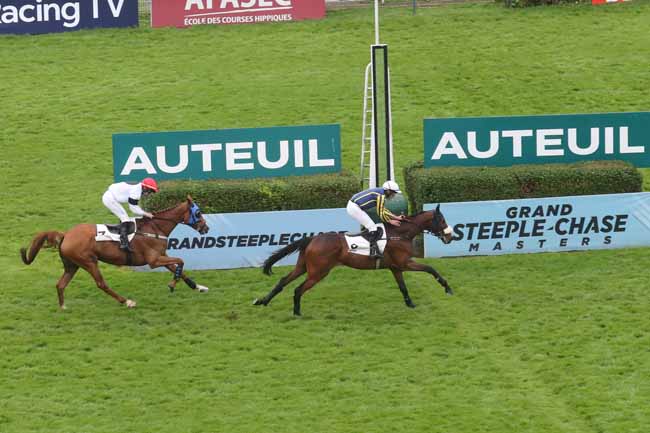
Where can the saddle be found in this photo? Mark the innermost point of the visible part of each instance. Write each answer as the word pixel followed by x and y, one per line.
pixel 358 242
pixel 111 232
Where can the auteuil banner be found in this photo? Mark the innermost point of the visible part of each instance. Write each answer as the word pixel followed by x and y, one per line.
pixel 228 153
pixel 506 141
pixel 187 13
pixel 51 16
pixel 544 225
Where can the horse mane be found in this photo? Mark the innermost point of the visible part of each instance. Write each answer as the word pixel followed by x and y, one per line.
pixel 169 208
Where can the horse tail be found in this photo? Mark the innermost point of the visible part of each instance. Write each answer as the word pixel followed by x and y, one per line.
pixel 52 239
pixel 283 252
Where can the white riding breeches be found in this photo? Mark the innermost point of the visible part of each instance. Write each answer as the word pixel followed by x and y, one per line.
pixel 361 216
pixel 115 207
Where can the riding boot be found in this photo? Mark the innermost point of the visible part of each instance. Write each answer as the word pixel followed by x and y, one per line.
pixel 124 237
pixel 374 248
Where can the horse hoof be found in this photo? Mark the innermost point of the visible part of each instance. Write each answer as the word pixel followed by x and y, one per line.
pixel 130 303
pixel 258 302
pixel 410 305
pixel 449 292
pixel 171 288
pixel 63 307
pixel 202 289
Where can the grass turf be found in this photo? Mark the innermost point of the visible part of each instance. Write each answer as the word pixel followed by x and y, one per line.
pixel 534 343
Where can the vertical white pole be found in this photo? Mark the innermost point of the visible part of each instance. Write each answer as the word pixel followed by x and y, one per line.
pixel 376 22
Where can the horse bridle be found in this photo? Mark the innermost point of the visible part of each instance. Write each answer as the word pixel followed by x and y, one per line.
pixel 438 234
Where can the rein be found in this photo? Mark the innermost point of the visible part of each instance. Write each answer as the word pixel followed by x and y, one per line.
pixel 156 235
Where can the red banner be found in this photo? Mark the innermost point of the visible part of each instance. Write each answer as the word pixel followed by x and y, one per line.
pixel 602 2
pixel 187 13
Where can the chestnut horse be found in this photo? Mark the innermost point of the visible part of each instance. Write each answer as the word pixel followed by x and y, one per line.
pixel 78 248
pixel 321 253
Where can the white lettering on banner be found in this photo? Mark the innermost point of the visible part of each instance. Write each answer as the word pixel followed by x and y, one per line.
pixel 313 156
pixel 297 152
pixel 138 160
pixel 543 142
pixel 232 156
pixel 547 142
pixel 517 136
pixel 281 162
pixel 593 145
pixel 115 10
pixel 205 150
pixel 238 156
pixel 473 150
pixel 162 160
pixel 455 149
pixel 42 12
pixel 235 4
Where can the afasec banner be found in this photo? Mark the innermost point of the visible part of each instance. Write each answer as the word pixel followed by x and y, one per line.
pixel 544 224
pixel 185 13
pixel 245 240
pixel 506 141
pixel 228 153
pixel 51 16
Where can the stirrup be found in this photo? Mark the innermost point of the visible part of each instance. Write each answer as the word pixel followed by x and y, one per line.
pixel 124 246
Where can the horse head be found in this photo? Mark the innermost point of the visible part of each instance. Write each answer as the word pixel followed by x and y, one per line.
pixel 193 217
pixel 439 226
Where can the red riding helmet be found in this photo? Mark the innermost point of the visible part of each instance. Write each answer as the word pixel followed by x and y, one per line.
pixel 150 183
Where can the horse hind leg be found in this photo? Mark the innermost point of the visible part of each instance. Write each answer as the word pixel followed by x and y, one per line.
pixel 301 289
pixel 70 269
pixel 299 270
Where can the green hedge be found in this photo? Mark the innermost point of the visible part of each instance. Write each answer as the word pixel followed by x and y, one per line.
pixel 256 195
pixel 456 184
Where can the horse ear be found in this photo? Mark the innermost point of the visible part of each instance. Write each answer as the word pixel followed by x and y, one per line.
pixel 189 198
pixel 438 208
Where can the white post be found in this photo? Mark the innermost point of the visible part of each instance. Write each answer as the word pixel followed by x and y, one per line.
pixel 376 22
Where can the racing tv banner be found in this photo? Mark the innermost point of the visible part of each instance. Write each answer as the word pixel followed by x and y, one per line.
pixel 228 153
pixel 506 141
pixel 544 225
pixel 187 13
pixel 245 240
pixel 51 16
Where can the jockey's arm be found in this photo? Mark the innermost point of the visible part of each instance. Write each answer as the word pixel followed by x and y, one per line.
pixel 136 209
pixel 384 214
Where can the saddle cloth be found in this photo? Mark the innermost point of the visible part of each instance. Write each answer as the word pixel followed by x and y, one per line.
pixel 111 232
pixel 357 244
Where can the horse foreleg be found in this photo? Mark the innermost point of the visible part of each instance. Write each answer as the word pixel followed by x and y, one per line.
pixel 399 277
pixel 169 263
pixel 190 282
pixel 419 267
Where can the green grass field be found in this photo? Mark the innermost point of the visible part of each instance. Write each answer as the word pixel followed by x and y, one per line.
pixel 530 343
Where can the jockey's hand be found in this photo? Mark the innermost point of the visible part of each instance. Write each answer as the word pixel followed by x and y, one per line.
pixel 147 215
pixel 402 217
pixel 396 223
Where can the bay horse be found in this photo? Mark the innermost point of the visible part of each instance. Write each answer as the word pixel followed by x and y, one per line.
pixel 320 254
pixel 78 248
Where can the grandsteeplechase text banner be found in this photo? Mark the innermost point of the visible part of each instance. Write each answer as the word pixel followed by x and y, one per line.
pixel 187 13
pixel 544 225
pixel 506 141
pixel 245 240
pixel 228 153
pixel 51 16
